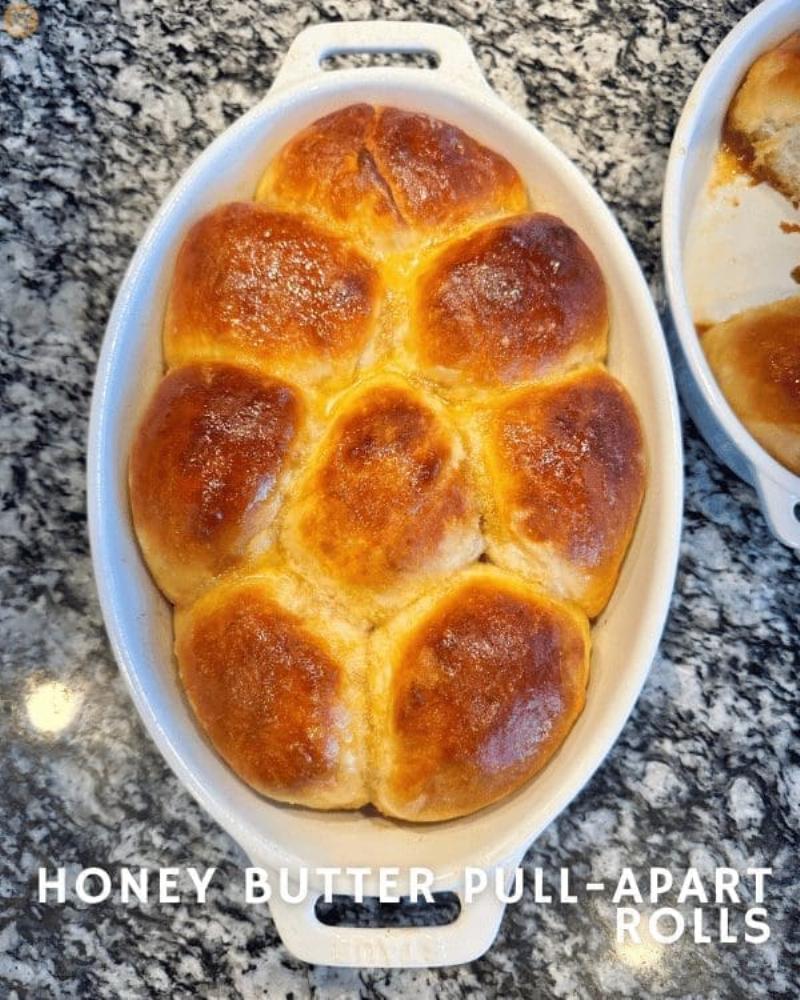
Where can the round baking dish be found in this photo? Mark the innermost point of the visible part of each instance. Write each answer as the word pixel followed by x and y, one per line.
pixel 138 618
pixel 691 160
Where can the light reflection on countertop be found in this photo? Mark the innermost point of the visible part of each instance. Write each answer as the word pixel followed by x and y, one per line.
pixel 51 706
pixel 647 954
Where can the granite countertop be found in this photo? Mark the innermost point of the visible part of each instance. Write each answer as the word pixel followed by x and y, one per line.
pixel 103 107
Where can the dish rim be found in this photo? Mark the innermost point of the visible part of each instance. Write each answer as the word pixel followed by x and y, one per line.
pixel 777 486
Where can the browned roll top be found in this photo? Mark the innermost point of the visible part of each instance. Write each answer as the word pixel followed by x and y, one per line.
pixel 264 690
pixel 205 468
pixel 270 287
pixel 755 357
pixel 387 501
pixel 386 486
pixel 388 174
pixel 484 686
pixel 510 302
pixel 272 694
pixel 569 474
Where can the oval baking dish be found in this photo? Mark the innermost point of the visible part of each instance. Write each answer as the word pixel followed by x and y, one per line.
pixel 691 161
pixel 138 618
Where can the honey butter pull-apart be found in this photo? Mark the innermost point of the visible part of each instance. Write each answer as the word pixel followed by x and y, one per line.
pixel 207 469
pixel 565 475
pixel 383 378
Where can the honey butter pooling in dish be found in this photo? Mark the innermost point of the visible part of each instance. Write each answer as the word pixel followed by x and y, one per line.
pixel 386 479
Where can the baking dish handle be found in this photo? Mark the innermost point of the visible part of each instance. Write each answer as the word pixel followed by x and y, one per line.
pixel 781 508
pixel 468 937
pixel 311 46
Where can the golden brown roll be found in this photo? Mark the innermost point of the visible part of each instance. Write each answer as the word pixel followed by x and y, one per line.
pixel 511 302
pixel 206 471
pixel 386 504
pixel 473 689
pixel 763 121
pixel 271 288
pixel 389 176
pixel 277 683
pixel 755 357
pixel 565 469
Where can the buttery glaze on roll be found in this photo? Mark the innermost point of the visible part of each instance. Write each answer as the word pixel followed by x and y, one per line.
pixel 566 470
pixel 277 683
pixel 473 689
pixel 390 176
pixel 387 504
pixel 271 288
pixel 755 357
pixel 511 302
pixel 763 122
pixel 206 471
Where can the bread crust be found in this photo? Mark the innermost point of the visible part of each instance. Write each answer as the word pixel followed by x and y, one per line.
pixel 207 471
pixel 277 682
pixel 755 357
pixel 513 301
pixel 386 505
pixel 473 688
pixel 257 286
pixel 565 465
pixel 762 125
pixel 390 177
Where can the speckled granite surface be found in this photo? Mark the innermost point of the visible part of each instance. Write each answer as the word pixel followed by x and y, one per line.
pixel 102 109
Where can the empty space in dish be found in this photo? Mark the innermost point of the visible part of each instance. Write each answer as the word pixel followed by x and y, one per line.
pixel 742 245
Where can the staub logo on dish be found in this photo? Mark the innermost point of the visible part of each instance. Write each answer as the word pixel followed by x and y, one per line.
pixel 652 907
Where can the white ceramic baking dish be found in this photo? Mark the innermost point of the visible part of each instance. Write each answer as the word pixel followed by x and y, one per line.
pixel 138 619
pixel 691 160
